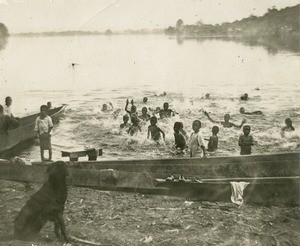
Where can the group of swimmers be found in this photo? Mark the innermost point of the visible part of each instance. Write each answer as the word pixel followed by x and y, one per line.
pixel 195 142
pixel 183 142
pixel 153 130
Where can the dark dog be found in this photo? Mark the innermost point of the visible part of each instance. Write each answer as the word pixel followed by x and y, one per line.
pixel 47 204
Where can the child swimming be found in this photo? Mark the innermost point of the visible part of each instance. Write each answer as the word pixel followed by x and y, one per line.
pixel 105 107
pixel 134 128
pixel 288 126
pixel 166 112
pixel 154 130
pixel 226 123
pixel 125 121
pixel 132 110
pixel 242 111
pixel 144 116
pixel 244 97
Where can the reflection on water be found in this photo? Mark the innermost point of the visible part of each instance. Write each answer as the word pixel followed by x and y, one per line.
pixel 179 39
pixel 3 42
pixel 273 44
pixel 120 67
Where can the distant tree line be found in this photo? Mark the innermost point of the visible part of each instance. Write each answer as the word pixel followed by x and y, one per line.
pixel 273 23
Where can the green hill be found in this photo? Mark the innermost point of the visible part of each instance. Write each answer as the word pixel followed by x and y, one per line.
pixel 274 22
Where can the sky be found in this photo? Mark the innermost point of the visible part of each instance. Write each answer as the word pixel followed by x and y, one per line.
pixel 117 15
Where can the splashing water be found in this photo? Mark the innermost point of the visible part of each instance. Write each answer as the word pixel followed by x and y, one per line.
pixel 85 124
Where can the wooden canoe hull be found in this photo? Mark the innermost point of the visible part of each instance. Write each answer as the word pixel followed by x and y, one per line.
pixel 268 165
pixel 266 191
pixel 274 179
pixel 25 131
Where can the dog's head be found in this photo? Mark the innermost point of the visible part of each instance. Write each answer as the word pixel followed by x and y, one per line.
pixel 57 172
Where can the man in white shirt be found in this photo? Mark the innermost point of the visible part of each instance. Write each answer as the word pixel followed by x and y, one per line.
pixel 7 108
pixel 6 122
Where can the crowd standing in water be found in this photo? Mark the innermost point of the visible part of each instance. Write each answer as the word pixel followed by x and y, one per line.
pixel 193 144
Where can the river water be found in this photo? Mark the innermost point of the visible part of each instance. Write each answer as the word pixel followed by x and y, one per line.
pixel 35 70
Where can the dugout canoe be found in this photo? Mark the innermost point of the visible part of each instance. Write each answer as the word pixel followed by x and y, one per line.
pixel 25 131
pixel 262 165
pixel 273 178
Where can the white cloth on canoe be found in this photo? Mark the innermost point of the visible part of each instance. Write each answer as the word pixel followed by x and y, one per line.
pixel 43 125
pixel 237 190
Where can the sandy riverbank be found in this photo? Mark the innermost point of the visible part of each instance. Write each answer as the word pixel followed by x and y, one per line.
pixel 117 218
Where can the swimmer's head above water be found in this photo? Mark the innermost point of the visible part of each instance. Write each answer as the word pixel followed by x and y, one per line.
pixel 166 106
pixel 226 117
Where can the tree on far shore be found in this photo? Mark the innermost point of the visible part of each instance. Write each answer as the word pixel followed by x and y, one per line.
pixel 179 26
pixel 4 34
pixel 108 32
pixel 179 23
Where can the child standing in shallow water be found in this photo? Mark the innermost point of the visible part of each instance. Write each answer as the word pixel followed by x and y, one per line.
pixel 43 127
pixel 213 140
pixel 196 142
pixel 154 130
pixel 180 143
pixel 182 131
pixel 246 141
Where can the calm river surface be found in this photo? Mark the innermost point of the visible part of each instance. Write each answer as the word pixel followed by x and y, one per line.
pixel 35 70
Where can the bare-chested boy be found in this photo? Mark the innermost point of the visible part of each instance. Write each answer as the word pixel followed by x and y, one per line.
pixel 144 116
pixel 246 141
pixel 154 130
pixel 166 112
